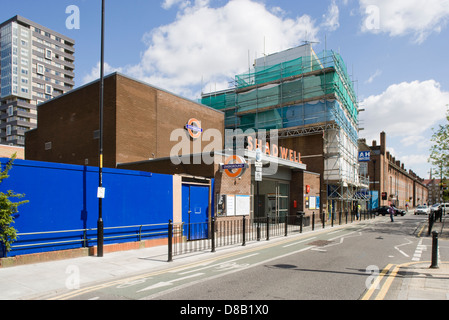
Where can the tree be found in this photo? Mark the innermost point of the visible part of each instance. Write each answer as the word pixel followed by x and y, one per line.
pixel 439 151
pixel 8 209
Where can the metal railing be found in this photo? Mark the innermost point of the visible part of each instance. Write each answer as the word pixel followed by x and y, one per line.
pixel 208 236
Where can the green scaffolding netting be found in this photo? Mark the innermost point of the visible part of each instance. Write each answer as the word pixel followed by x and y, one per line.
pixel 285 87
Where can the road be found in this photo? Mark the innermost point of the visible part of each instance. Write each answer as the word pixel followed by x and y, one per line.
pixel 339 263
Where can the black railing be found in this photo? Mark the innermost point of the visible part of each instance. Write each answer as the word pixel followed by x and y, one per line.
pixel 209 236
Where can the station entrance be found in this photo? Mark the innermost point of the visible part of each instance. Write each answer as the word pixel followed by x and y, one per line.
pixel 272 199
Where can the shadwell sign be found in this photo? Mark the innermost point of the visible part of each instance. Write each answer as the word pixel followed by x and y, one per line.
pixel 273 150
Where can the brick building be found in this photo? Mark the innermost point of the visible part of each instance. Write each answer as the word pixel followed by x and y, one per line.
pixel 437 188
pixel 150 129
pixel 392 182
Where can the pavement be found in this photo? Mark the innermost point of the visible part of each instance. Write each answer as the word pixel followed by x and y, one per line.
pixel 39 281
pixel 418 280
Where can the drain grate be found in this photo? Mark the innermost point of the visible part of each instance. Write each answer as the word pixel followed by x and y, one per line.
pixel 320 243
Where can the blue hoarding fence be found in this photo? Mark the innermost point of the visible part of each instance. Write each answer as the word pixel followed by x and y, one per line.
pixel 84 238
pixel 64 197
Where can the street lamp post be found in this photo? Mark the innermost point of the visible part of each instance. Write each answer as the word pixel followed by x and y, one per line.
pixel 100 226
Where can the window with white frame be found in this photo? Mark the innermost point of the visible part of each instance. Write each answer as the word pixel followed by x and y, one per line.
pixel 40 69
pixel 48 54
pixel 48 89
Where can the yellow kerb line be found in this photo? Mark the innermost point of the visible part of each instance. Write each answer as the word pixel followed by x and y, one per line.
pixel 376 282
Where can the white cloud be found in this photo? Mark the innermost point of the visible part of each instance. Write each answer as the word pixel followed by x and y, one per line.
pixel 95 72
pixel 374 76
pixel 419 142
pixel 415 160
pixel 418 18
pixel 168 4
pixel 404 110
pixel 331 18
pixel 209 46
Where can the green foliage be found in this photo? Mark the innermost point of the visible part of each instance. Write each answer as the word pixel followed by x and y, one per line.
pixel 439 151
pixel 8 209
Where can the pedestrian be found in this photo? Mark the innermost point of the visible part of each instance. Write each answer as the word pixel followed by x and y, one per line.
pixel 391 212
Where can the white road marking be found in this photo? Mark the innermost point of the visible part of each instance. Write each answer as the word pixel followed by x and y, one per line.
pixel 169 283
pixel 404 244
pixel 418 252
pixel 218 264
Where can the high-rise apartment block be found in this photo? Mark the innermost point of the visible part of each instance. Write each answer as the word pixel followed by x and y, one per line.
pixel 37 64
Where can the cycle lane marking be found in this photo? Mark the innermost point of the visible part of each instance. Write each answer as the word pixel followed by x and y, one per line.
pixel 147 276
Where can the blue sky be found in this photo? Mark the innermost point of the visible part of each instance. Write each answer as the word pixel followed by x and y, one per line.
pixel 396 51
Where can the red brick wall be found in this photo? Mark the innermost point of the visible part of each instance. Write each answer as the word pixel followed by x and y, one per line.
pixel 138 122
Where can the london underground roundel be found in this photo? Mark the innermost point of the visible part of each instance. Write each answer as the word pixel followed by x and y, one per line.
pixel 235 166
pixel 194 128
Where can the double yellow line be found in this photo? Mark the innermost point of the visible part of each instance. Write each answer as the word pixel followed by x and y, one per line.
pixel 390 278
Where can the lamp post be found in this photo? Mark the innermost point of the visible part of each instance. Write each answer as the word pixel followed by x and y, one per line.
pixel 100 193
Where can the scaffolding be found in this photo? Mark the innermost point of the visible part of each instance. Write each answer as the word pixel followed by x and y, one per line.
pixel 304 95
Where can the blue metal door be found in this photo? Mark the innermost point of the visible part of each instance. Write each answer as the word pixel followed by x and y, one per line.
pixel 195 211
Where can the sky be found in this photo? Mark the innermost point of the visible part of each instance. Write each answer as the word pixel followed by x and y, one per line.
pixel 396 51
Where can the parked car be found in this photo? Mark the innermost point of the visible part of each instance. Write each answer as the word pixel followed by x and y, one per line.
pixel 435 207
pixel 383 210
pixel 422 210
pixel 399 211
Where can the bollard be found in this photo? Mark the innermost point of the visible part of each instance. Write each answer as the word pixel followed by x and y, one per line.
pixel 170 241
pixel 434 250
pixel 212 226
pixel 431 221
pixel 313 221
pixel 301 223
pixel 286 227
pixel 322 220
pixel 244 231
pixel 268 228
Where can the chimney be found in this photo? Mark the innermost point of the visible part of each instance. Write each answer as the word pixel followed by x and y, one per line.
pixel 383 142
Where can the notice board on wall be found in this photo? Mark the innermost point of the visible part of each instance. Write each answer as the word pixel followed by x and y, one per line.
pixel 229 205
pixel 242 205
